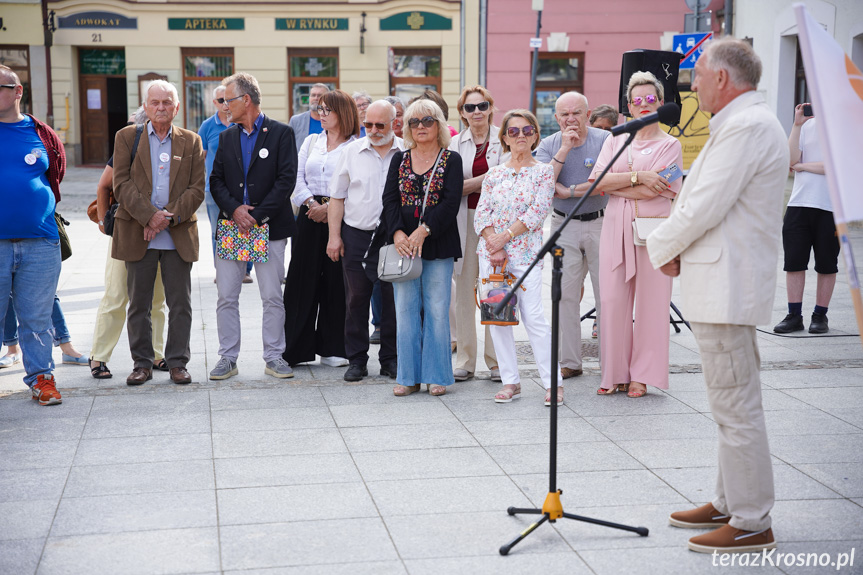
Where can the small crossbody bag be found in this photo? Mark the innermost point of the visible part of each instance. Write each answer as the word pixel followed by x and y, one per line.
pixel 642 226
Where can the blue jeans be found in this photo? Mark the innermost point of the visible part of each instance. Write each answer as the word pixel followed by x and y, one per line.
pixel 29 270
pixel 422 326
pixel 61 330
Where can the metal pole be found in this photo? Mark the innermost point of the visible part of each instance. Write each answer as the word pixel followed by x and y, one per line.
pixel 530 106
pixel 729 17
pixel 483 40
pixel 49 40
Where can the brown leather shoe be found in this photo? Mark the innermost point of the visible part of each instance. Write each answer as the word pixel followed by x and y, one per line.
pixel 728 539
pixel 704 517
pixel 179 375
pixel 139 375
pixel 568 372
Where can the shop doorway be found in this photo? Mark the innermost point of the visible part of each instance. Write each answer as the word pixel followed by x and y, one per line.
pixel 102 78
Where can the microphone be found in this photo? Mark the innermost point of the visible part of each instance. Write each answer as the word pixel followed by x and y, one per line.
pixel 665 114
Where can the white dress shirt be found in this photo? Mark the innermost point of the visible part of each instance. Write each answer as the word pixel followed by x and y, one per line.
pixel 315 168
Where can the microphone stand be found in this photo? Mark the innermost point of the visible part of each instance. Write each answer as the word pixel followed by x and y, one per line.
pixel 552 509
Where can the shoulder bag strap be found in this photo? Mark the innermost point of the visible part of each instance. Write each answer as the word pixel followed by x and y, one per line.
pixel 428 183
pixel 139 129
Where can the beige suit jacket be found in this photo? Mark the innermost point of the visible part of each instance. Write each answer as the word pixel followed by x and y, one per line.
pixel 133 187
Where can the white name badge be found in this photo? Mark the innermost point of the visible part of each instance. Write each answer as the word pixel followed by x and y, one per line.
pixel 30 159
pixel 646 151
pixel 263 153
pixel 164 157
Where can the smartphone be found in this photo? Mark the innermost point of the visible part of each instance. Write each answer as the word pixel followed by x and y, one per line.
pixel 807 110
pixel 671 173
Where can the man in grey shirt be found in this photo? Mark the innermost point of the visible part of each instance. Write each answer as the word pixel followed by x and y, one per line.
pixel 573 152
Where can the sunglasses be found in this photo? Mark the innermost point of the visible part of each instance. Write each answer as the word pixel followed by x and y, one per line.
pixel 378 125
pixel 650 99
pixel 482 107
pixel 10 86
pixel 229 100
pixel 220 100
pixel 323 111
pixel 527 131
pixel 427 122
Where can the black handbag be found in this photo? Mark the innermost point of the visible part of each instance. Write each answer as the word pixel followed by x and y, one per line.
pixel 65 244
pixel 108 220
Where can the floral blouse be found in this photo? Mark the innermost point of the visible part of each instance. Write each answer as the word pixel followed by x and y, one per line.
pixel 508 196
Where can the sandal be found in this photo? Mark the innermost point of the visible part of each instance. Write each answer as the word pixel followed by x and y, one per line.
pixel 403 390
pixel 594 332
pixel 508 393
pixel 100 370
pixel 559 396
pixel 634 392
pixel 161 365
pixel 436 389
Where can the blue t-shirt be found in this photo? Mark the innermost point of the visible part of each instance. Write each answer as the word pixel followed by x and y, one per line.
pixel 209 132
pixel 26 196
pixel 315 126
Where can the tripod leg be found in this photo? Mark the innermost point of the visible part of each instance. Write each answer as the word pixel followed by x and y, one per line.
pixel 506 548
pixel 514 510
pixel 673 323
pixel 680 315
pixel 643 531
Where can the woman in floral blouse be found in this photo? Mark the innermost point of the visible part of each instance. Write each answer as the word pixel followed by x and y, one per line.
pixel 422 304
pixel 516 198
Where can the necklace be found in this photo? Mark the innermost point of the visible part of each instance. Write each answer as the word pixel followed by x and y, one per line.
pixel 480 149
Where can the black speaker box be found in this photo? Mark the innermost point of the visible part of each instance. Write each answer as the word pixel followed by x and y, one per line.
pixel 664 65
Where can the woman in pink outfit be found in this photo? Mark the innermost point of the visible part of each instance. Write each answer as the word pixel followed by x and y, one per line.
pixel 635 355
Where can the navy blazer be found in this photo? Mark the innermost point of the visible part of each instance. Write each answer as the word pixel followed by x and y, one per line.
pixel 271 180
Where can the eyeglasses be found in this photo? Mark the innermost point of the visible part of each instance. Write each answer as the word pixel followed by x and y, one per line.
pixel 650 99
pixel 482 107
pixel 362 105
pixel 10 86
pixel 323 111
pixel 378 125
pixel 229 100
pixel 427 122
pixel 527 131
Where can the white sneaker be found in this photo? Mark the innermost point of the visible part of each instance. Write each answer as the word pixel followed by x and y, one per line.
pixel 334 361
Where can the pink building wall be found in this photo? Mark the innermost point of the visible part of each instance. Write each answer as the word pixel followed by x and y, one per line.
pixel 602 29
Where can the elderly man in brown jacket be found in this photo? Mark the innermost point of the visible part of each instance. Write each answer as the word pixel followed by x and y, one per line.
pixel 158 190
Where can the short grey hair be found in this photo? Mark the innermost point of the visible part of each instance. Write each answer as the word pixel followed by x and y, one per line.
pixel 575 94
pixel 737 58
pixel 140 115
pixel 604 111
pixel 644 79
pixel 246 84
pixel 319 85
pixel 216 90
pixel 420 109
pixel 165 85
pixel 362 94
pixel 395 101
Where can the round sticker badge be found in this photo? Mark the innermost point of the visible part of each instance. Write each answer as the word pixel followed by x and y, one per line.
pixel 30 159
pixel 589 162
pixel 646 151
pixel 263 153
pixel 36 152
pixel 164 157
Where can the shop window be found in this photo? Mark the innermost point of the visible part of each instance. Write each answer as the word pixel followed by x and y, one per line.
pixel 18 58
pixel 413 70
pixel 310 66
pixel 203 70
pixel 557 72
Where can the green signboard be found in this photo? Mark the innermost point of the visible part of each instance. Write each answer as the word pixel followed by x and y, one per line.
pixel 311 23
pixel 416 21
pixel 206 24
pixel 102 62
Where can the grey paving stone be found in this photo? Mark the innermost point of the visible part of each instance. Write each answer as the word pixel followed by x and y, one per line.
pixel 430 412
pixel 95 480
pixel 425 464
pixel 676 560
pixel 698 484
pixel 143 552
pixel 288 503
pixel 809 378
pixel 271 419
pixel 772 400
pixel 222 400
pixel 17 484
pixel 844 478
pixel 145 449
pixel 445 495
pixel 468 535
pixel 487 409
pixel 656 402
pixel 20 556
pixel 22 430
pixel 369 394
pixel 277 442
pixel 806 422
pixel 838 553
pixel 35 454
pixel 672 452
pixel 532 431
pixel 144 400
pixel 598 488
pixel 841 397
pixel 26 519
pixel 307 543
pixel 818 449
pixel 367 568
pixel 852 415
pixel 27 409
pixel 134 512
pixel 411 436
pixel 285 470
pixel 666 426
pixel 557 563
pixel 152 423
pixel 572 457
pixel 484 390
pixel 804 520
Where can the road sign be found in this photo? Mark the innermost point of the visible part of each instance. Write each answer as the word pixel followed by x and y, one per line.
pixel 700 5
pixel 536 43
pixel 691 45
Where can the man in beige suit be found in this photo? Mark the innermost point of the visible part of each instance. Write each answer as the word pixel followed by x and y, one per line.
pixel 158 191
pixel 723 239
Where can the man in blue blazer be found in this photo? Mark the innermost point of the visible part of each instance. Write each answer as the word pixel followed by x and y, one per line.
pixel 252 181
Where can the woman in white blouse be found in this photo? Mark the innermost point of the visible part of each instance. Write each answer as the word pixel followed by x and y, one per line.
pixel 516 198
pixel 480 150
pixel 315 289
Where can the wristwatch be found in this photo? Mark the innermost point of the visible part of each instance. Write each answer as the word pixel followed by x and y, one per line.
pixel 308 203
pixel 427 228
pixel 633 178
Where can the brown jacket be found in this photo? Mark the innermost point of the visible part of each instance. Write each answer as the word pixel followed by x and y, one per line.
pixel 133 187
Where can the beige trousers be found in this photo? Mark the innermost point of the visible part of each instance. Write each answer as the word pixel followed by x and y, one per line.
pixel 744 487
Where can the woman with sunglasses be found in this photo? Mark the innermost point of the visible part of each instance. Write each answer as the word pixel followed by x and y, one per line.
pixel 424 227
pixel 480 149
pixel 315 289
pixel 516 198
pixel 635 355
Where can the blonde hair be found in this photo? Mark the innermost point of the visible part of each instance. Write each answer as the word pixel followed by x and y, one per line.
pixel 645 79
pixel 482 91
pixel 519 113
pixel 420 109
